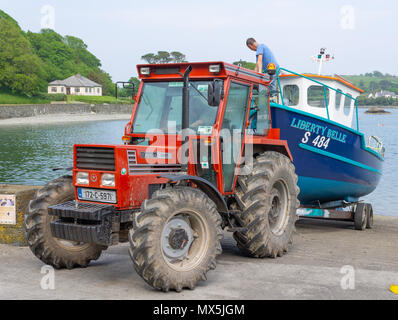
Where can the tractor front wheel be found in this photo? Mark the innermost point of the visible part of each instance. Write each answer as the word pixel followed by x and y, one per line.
pixel 53 251
pixel 176 238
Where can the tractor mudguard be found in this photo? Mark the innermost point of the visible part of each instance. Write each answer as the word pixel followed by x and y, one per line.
pixel 205 186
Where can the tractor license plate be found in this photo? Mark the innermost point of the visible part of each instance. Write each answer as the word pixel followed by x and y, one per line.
pixel 96 195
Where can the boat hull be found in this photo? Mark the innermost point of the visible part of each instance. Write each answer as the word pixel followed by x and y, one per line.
pixel 331 160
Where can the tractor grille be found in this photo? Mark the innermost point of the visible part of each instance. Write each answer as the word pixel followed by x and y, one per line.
pixel 132 156
pixel 93 158
pixel 137 169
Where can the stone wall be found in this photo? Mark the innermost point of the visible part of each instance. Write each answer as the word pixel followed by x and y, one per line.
pixel 14 233
pixel 22 111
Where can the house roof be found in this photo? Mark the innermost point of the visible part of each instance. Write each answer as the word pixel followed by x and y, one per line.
pixel 75 81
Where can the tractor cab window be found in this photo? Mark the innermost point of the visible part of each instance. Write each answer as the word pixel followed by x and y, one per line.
pixel 160 107
pixel 259 121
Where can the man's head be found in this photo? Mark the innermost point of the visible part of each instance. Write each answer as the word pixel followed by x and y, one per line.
pixel 252 44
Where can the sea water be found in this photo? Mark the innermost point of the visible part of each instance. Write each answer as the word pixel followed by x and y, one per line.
pixel 28 153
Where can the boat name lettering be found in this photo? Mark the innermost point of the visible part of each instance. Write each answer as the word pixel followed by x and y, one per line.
pixel 318 129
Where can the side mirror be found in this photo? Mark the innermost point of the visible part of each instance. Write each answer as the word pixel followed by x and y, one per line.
pixel 215 92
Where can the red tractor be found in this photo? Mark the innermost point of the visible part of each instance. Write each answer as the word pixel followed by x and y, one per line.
pixel 200 155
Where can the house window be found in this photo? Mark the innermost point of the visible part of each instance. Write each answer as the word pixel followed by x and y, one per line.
pixel 53 89
pixel 62 89
pixel 291 95
pixel 316 96
pixel 77 90
pixel 86 90
pixel 98 90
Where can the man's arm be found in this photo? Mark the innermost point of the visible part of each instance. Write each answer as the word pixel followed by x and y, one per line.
pixel 259 65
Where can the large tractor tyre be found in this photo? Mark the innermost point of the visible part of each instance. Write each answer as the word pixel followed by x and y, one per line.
pixel 267 197
pixel 176 238
pixel 53 251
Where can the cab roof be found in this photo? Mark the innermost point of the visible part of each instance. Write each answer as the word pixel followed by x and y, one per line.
pixel 200 70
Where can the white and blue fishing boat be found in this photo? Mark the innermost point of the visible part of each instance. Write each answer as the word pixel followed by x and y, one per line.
pixel 336 165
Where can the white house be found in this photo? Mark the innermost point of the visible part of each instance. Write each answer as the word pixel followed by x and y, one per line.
pixel 382 93
pixel 75 85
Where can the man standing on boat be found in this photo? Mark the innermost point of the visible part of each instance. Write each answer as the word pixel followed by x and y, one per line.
pixel 264 57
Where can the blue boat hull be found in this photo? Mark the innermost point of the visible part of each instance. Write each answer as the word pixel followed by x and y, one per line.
pixel 331 160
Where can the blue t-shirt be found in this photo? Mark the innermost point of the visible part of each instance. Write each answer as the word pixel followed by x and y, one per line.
pixel 268 56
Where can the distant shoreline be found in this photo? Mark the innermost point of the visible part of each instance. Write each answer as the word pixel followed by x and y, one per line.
pixel 382 107
pixel 62 118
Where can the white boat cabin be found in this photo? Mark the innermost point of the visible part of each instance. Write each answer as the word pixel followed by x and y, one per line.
pixel 306 95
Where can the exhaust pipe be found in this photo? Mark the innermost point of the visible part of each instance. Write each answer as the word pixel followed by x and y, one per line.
pixel 185 118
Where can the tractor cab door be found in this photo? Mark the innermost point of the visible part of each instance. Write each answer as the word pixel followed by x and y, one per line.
pixel 232 131
pixel 259 117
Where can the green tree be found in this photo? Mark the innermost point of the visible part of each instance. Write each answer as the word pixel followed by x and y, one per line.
pixel 164 57
pixel 385 84
pixel 245 64
pixel 20 70
pixel 149 58
pixel 101 77
pixel 177 56
pixel 82 55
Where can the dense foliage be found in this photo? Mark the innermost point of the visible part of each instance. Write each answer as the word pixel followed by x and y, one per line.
pixel 164 57
pixel 245 64
pixel 374 82
pixel 28 61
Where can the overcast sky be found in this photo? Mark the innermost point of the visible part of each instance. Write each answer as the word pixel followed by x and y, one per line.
pixel 361 34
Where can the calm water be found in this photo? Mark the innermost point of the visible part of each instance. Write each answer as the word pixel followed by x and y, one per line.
pixel 29 152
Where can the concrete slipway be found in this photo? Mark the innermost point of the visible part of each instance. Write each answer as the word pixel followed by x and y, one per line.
pixel 311 270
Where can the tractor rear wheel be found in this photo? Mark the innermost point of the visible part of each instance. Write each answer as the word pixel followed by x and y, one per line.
pixel 53 251
pixel 176 238
pixel 267 197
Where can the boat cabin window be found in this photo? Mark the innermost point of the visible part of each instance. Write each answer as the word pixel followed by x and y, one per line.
pixel 316 96
pixel 291 95
pixel 259 121
pixel 347 104
pixel 338 98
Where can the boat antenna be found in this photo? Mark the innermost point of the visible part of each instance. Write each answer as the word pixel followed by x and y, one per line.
pixel 322 57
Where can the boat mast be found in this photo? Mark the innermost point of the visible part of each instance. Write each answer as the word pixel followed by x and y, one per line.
pixel 321 58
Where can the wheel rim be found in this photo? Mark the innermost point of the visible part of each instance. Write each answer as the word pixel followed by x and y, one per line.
pixel 184 241
pixel 278 215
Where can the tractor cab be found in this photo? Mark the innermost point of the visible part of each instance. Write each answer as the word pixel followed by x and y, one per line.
pixel 227 106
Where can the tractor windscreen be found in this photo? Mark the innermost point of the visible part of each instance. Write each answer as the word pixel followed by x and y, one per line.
pixel 160 108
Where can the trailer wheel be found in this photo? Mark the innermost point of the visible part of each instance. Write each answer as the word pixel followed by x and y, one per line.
pixel 360 216
pixel 176 239
pixel 369 220
pixel 53 251
pixel 268 198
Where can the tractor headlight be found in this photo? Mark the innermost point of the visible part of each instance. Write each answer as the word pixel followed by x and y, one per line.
pixel 82 178
pixel 215 68
pixel 108 180
pixel 145 71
